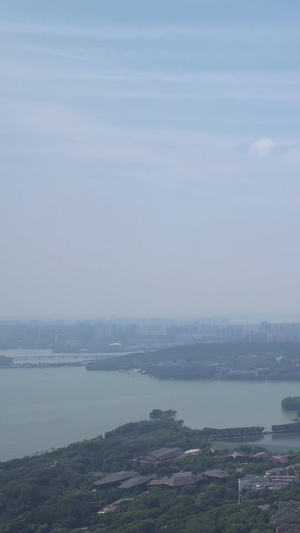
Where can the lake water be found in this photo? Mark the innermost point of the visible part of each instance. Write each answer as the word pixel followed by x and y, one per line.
pixel 41 408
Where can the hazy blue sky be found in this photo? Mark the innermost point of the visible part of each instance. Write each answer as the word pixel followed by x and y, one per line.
pixel 150 157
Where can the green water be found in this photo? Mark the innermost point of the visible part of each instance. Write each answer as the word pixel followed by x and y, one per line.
pixel 41 408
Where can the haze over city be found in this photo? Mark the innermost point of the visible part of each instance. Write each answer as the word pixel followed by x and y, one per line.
pixel 150 159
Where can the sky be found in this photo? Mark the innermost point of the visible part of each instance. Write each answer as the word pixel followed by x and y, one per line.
pixel 150 158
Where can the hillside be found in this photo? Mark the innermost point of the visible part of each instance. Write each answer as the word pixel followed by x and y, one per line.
pixel 55 492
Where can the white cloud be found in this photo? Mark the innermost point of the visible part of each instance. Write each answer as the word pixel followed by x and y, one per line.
pixel 211 165
pixel 262 148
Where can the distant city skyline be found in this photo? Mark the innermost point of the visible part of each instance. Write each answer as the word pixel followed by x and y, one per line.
pixel 81 336
pixel 239 319
pixel 150 158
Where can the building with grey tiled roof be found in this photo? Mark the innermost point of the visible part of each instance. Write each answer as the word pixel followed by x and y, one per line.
pixel 181 479
pixel 215 474
pixel 134 482
pixel 159 455
pixel 114 478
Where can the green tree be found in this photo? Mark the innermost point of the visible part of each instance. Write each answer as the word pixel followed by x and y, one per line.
pixel 158 414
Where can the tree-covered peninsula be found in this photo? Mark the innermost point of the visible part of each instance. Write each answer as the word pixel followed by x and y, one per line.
pixel 230 360
pixel 151 476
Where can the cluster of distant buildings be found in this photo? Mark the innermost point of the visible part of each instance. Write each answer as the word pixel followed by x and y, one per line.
pixel 277 478
pixel 274 479
pixel 240 457
pixel 133 334
pixel 130 479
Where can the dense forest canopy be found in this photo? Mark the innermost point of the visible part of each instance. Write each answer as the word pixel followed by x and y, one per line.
pixel 5 361
pixel 291 403
pixel 54 492
pixel 229 360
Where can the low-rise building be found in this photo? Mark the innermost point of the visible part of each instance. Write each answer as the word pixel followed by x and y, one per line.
pixel 274 479
pixel 158 456
pixel 133 482
pixel 115 478
pixel 217 475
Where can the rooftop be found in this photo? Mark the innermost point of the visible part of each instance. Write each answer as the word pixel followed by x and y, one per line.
pixel 181 479
pixel 218 474
pixel 115 477
pixel 161 454
pixel 134 482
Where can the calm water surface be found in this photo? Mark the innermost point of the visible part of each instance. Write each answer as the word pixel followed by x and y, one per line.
pixel 41 408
